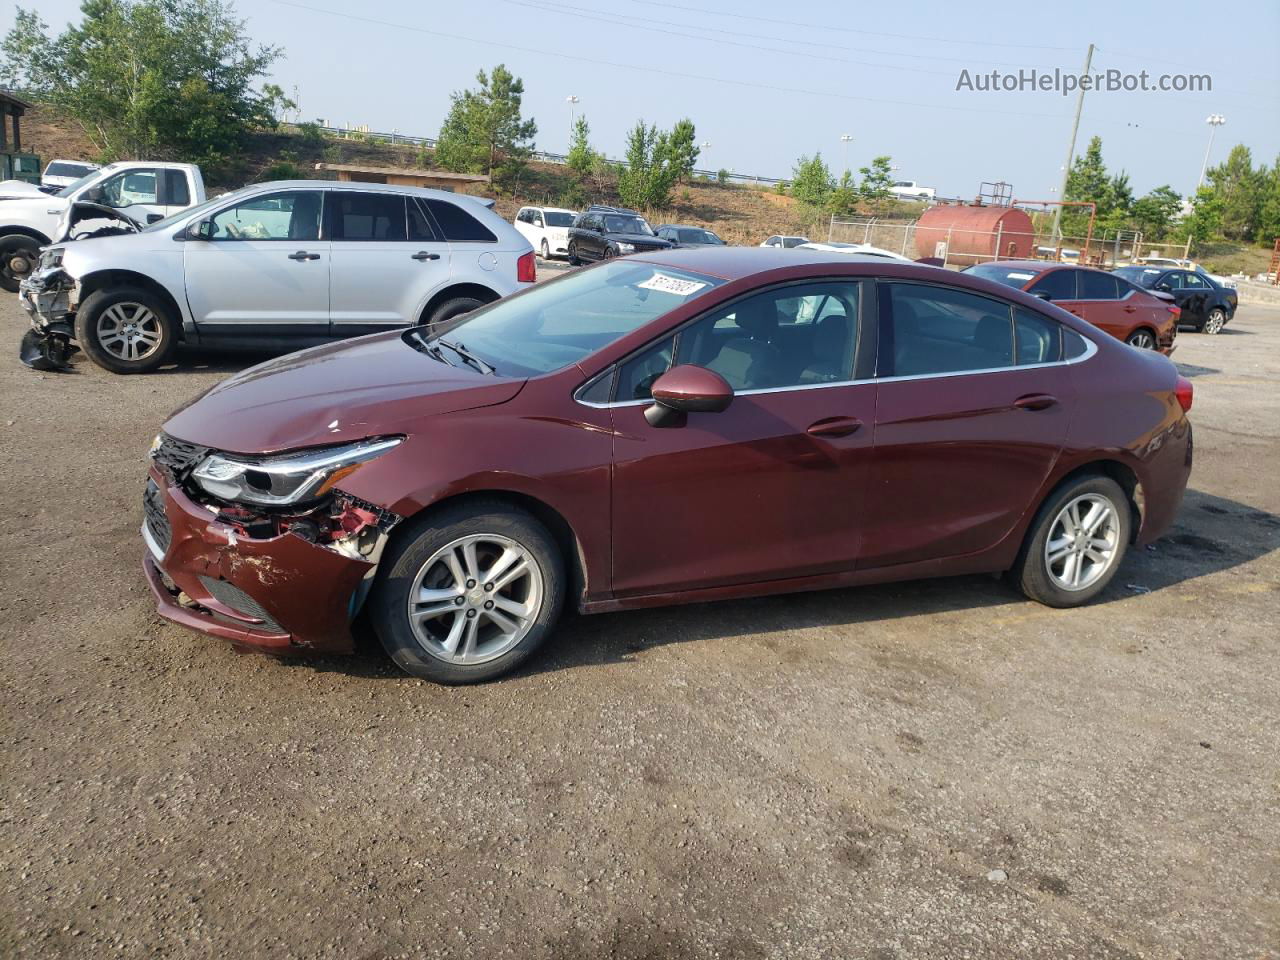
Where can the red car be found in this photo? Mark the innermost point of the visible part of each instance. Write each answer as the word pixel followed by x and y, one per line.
pixel 671 427
pixel 1141 318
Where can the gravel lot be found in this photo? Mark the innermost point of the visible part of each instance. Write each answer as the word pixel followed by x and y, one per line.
pixel 938 769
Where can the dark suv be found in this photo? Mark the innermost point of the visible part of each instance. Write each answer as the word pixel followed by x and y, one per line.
pixel 599 233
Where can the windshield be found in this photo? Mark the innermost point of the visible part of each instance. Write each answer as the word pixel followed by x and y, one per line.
pixel 556 219
pixel 564 320
pixel 71 188
pixel 1142 276
pixel 60 169
pixel 616 224
pixel 184 214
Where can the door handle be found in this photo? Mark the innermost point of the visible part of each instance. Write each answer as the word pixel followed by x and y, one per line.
pixel 303 255
pixel 1035 401
pixel 423 255
pixel 834 427
pixel 1130 308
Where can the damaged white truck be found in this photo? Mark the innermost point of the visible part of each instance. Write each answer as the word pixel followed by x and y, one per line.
pixel 139 191
pixel 274 266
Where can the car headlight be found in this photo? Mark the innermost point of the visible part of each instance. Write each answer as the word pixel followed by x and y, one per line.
pixel 626 248
pixel 287 479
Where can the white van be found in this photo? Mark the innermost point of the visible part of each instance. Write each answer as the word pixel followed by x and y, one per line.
pixel 547 228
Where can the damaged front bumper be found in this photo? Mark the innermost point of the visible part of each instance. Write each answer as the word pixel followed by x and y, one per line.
pixel 50 297
pixel 277 585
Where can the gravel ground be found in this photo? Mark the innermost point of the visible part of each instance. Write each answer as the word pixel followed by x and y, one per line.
pixel 938 769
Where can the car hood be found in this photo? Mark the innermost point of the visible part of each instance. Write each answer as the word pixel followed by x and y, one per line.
pixel 656 243
pixel 116 223
pixel 20 190
pixel 337 393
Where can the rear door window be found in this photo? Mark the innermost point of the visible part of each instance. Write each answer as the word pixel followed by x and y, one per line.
pixel 1095 285
pixel 357 215
pixel 936 330
pixel 177 193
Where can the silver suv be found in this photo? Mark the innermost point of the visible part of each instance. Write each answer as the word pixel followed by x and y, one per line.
pixel 276 265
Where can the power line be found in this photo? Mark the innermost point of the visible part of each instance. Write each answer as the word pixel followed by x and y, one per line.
pixel 644 23
pixel 829 26
pixel 542 53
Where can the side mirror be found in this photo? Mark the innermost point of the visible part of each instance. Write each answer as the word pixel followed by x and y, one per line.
pixel 687 389
pixel 1164 288
pixel 154 217
pixel 1042 294
pixel 201 230
pixel 92 195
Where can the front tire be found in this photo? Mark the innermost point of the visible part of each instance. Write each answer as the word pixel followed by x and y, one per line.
pixel 18 256
pixel 468 593
pixel 574 261
pixel 1215 321
pixel 546 250
pixel 126 330
pixel 1076 544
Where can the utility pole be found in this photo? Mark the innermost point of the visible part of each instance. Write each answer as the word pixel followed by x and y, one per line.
pixel 846 139
pixel 1071 148
pixel 572 101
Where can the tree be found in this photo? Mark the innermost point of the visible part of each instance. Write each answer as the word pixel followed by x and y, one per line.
pixel 683 143
pixel 484 132
pixel 1155 212
pixel 1238 188
pixel 581 157
pixel 1269 207
pixel 844 199
pixel 1205 220
pixel 811 183
pixel 651 171
pixel 876 181
pixel 149 79
pixel 1087 182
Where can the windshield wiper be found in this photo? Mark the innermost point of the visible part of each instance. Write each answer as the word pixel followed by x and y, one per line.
pixel 430 349
pixel 461 350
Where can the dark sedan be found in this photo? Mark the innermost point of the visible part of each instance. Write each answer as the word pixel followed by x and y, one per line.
pixel 665 428
pixel 1206 305
pixel 684 236
pixel 601 233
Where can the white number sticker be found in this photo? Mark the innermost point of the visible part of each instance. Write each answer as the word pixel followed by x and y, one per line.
pixel 674 285
pixel 1021 276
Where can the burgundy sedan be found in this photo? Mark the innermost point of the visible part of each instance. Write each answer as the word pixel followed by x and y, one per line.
pixel 1146 319
pixel 672 427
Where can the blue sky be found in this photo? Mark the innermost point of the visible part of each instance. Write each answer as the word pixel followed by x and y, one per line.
pixel 765 84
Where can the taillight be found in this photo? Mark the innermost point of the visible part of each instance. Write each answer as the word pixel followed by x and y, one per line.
pixel 526 268
pixel 1184 391
pixel 1176 311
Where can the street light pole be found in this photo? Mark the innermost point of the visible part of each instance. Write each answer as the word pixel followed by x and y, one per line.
pixel 1214 120
pixel 571 100
pixel 846 139
pixel 1071 147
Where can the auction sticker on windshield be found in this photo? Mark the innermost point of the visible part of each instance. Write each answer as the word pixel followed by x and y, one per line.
pixel 673 285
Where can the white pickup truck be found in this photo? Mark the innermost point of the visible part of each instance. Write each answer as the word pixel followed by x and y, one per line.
pixel 140 190
pixel 910 190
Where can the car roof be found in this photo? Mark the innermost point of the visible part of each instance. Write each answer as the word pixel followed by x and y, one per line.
pixel 536 206
pixel 732 263
pixel 360 187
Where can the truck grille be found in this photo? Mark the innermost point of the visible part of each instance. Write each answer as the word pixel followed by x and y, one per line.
pixel 175 457
pixel 157 522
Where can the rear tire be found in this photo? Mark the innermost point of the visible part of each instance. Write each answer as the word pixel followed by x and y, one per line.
pixel 1215 321
pixel 17 248
pixel 1064 563
pixel 126 330
pixel 451 310
pixel 436 569
pixel 1142 339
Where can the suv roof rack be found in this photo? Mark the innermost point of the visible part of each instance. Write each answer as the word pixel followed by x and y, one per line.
pixel 604 208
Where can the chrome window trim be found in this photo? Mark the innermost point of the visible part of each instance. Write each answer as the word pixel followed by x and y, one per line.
pixel 1090 349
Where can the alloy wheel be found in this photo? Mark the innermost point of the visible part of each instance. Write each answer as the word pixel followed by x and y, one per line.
pixel 475 598
pixel 129 331
pixel 1083 542
pixel 1216 320
pixel 1143 340
pixel 546 251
